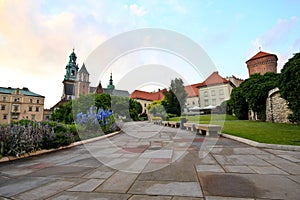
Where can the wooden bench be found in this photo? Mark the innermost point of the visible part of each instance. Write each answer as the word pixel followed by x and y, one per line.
pixel 174 124
pixel 189 126
pixel 159 122
pixel 206 129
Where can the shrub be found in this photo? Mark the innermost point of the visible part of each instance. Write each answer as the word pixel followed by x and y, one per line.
pixel 26 136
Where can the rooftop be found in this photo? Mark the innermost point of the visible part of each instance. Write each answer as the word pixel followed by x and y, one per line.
pixel 150 96
pixel 213 79
pixel 25 91
pixel 260 55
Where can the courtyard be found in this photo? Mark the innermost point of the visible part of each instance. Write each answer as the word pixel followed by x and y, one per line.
pixel 147 161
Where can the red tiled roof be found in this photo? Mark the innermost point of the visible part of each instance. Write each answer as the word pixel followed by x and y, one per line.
pixel 192 90
pixel 213 79
pixel 260 55
pixel 150 96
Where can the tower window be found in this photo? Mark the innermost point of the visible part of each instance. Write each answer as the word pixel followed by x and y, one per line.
pixel 2 107
pixel 72 72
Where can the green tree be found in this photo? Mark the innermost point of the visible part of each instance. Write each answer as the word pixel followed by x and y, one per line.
pixel 63 113
pixel 256 89
pixel 289 86
pixel 238 104
pixel 135 109
pixel 175 98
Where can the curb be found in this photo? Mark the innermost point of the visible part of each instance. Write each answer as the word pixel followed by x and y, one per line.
pixel 11 158
pixel 262 145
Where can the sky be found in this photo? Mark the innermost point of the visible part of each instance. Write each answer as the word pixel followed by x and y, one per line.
pixel 37 36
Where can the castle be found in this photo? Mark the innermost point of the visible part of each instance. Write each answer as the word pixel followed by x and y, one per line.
pixel 76 82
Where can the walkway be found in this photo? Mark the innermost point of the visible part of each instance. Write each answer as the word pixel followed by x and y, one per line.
pixel 153 162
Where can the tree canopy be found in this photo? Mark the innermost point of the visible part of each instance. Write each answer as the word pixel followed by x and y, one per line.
pixel 289 86
pixel 252 94
pixel 175 97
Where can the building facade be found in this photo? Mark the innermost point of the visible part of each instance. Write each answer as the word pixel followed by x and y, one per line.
pixel 261 63
pixel 146 98
pixel 17 104
pixel 214 90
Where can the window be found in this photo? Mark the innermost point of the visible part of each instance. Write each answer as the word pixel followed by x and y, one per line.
pixel 32 117
pixel 2 107
pixel 206 94
pixel 37 101
pixel 72 73
pixel 31 101
pixel 206 102
pixel 213 102
pixel 37 109
pixel 213 93
pixel 145 105
pixel 4 98
pixel 30 108
pixel 4 116
pixel 16 108
pixel 221 91
pixel 15 117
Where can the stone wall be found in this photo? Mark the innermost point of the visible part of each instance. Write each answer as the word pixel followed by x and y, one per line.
pixel 277 108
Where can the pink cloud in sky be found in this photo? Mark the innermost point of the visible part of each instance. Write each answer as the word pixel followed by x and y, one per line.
pixel 34 47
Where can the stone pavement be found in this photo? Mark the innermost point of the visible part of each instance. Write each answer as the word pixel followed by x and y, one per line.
pixel 153 162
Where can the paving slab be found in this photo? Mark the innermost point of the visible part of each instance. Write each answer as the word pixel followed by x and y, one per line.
pixel 89 195
pixel 45 191
pixel 190 189
pixel 209 168
pixel 238 169
pixel 15 186
pixel 149 197
pixel 249 186
pixel 119 182
pixel 87 186
pixel 62 171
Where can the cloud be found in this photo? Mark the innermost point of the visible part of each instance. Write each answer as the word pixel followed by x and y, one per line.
pixel 278 40
pixel 278 34
pixel 34 46
pixel 137 10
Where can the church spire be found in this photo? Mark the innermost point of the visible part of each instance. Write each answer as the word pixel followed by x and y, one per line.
pixel 110 86
pixel 72 67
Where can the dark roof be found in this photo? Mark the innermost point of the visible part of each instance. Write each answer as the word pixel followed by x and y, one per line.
pixel 24 91
pixel 119 93
pixel 69 89
pixel 260 55
pixel 83 69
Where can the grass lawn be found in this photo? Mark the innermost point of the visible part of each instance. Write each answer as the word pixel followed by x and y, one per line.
pixel 264 132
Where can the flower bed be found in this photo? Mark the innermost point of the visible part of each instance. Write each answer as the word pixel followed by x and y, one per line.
pixel 26 136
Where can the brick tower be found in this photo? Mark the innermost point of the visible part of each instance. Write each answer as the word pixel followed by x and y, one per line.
pixel 262 62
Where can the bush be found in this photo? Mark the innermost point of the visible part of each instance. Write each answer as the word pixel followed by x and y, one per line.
pixel 27 136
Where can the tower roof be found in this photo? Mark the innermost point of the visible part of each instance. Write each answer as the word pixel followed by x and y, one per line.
pixel 261 54
pixel 83 69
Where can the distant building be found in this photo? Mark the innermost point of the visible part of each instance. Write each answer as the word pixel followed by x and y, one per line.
pixel 214 90
pixel 76 82
pixel 192 99
pixel 262 62
pixel 146 98
pixel 17 104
